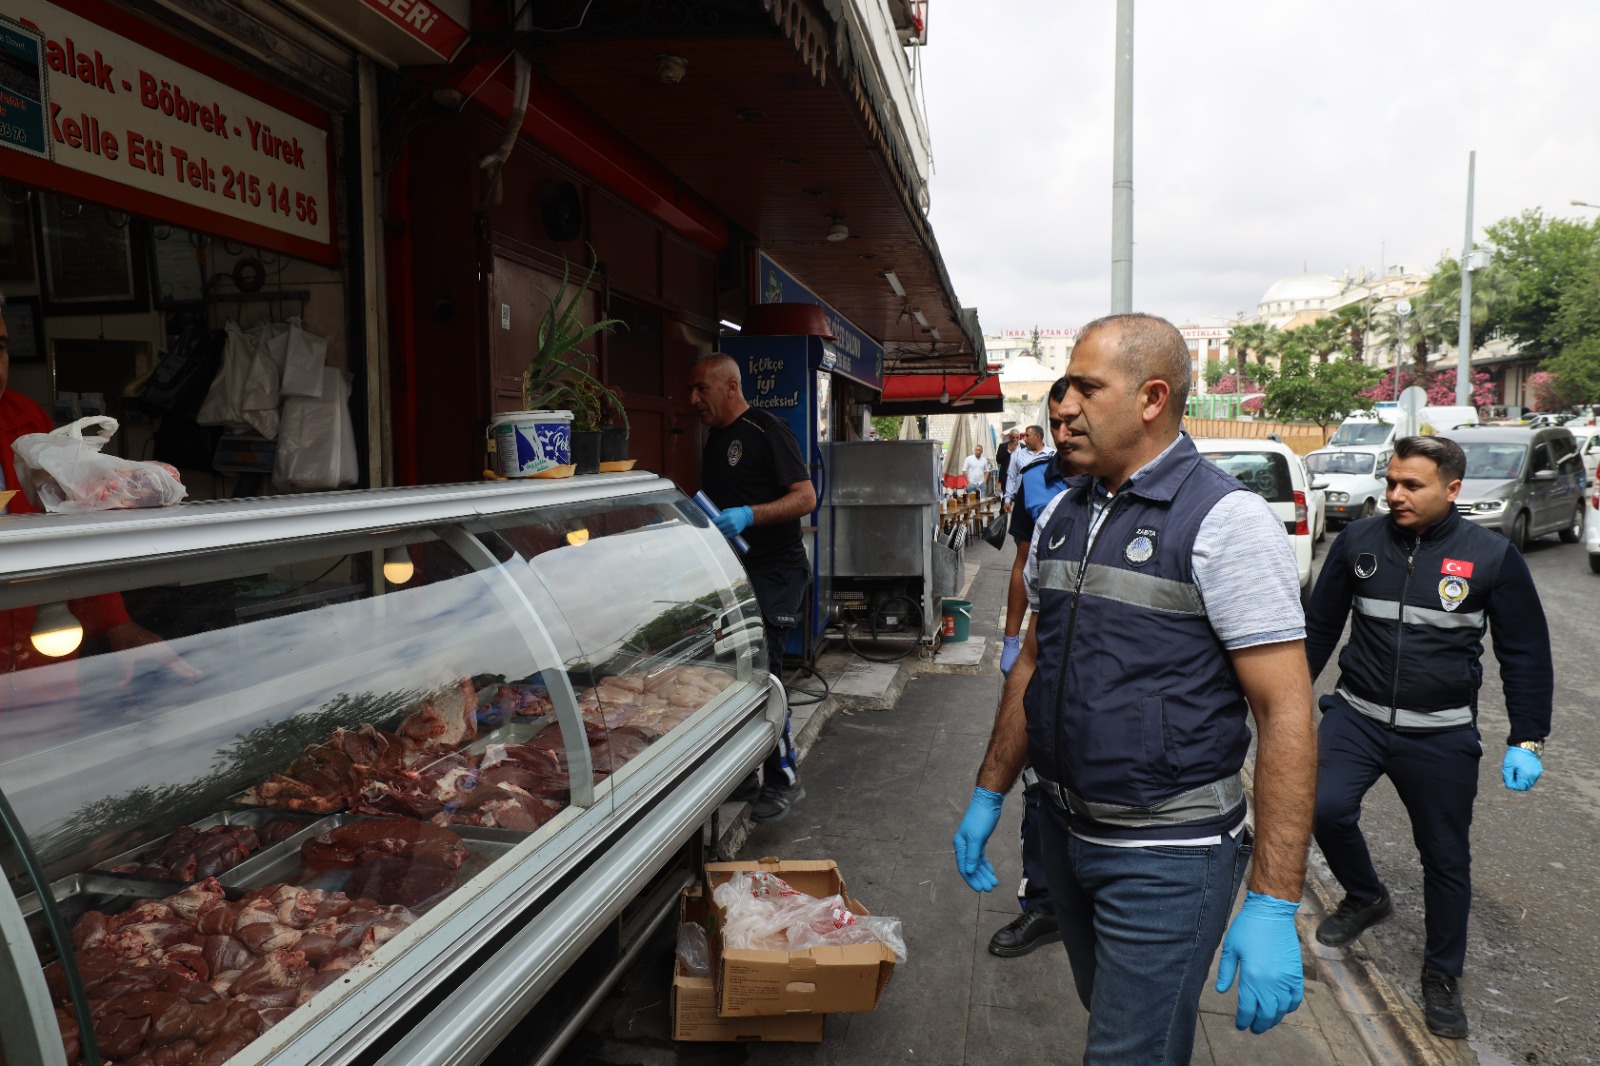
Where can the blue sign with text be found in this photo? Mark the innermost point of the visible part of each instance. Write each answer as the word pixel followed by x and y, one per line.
pixel 855 355
pixel 24 95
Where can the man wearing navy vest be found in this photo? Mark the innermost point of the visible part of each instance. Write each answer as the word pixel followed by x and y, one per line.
pixel 1426 586
pixel 1167 614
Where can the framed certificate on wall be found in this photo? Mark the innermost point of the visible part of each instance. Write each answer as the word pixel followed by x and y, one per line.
pixel 26 327
pixel 93 259
pixel 16 240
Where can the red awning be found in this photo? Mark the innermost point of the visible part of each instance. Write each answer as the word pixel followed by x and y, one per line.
pixel 918 394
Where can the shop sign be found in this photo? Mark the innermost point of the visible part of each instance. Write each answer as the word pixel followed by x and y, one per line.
pixel 23 99
pixel 855 355
pixel 433 25
pixel 140 121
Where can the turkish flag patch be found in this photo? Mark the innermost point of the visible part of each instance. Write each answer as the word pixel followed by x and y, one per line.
pixel 1456 568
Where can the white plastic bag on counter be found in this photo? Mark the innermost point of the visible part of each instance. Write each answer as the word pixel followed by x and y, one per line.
pixel 63 472
pixel 316 438
pixel 259 401
pixel 224 403
pixel 305 356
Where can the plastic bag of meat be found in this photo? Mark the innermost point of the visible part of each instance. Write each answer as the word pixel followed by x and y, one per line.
pixel 763 912
pixel 63 471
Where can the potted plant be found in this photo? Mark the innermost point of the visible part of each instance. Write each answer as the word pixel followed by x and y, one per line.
pixel 558 389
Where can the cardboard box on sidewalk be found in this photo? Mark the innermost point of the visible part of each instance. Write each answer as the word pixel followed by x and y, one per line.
pixel 820 980
pixel 694 999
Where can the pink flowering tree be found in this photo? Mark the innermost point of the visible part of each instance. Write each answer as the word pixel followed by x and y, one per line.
pixel 1440 386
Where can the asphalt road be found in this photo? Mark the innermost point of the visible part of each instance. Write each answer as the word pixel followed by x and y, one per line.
pixel 1532 981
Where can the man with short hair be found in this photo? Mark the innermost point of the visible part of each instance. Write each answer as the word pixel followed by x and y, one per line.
pixel 1426 586
pixel 975 468
pixel 1033 446
pixel 1168 613
pixel 752 469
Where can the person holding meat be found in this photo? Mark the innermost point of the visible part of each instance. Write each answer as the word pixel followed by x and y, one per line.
pixel 99 615
pixel 752 469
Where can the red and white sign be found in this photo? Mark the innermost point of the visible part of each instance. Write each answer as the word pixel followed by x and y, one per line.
pixel 1456 568
pixel 143 122
pixel 431 24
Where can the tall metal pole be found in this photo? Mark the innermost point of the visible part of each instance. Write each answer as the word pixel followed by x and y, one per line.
pixel 1464 344
pixel 1122 167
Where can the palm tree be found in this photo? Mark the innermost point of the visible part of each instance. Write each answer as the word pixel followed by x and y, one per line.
pixel 1323 336
pixel 1358 320
pixel 1426 327
pixel 1492 288
pixel 1259 337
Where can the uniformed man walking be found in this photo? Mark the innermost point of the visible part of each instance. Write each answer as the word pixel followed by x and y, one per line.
pixel 1169 613
pixel 1425 584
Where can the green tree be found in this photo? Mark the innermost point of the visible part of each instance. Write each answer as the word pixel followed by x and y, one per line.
pixel 1359 320
pixel 1575 373
pixel 887 427
pixel 1303 391
pixel 1425 328
pixel 1035 348
pixel 1258 337
pixel 1322 337
pixel 1493 288
pixel 1214 373
pixel 1547 258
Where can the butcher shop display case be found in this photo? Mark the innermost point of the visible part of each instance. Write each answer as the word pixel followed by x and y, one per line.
pixel 355 776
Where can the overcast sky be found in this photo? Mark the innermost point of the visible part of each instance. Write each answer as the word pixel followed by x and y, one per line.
pixel 1268 135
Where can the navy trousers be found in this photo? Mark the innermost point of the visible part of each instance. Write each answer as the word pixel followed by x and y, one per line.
pixel 780 593
pixel 1436 775
pixel 1033 894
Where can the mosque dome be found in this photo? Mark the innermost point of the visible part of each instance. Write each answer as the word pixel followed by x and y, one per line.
pixel 1025 368
pixel 1300 290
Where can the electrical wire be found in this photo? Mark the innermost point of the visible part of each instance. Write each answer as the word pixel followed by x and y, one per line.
pixel 872 630
pixel 816 697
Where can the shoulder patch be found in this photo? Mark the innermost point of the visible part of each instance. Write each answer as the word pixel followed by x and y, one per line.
pixel 735 452
pixel 1366 565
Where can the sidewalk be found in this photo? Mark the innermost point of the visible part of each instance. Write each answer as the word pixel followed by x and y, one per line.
pixel 888 764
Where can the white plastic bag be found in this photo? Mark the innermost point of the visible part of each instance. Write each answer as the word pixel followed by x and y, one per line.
pixel 224 403
pixel 693 949
pixel 63 472
pixel 764 913
pixel 316 438
pixel 260 398
pixel 305 355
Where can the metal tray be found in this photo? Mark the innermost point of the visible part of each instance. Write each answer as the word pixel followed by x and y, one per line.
pixel 97 891
pixel 281 863
pixel 251 816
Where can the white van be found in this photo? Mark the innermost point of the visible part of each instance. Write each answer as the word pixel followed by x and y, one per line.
pixel 1379 428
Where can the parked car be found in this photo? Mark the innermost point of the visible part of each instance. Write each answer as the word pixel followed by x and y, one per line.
pixel 1275 473
pixel 1591 529
pixel 1588 440
pixel 1355 479
pixel 1522 481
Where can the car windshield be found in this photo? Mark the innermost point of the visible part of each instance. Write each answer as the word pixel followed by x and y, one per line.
pixel 1264 473
pixel 1340 462
pixel 1351 433
pixel 1490 461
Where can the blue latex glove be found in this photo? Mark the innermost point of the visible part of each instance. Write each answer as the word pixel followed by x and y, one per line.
pixel 1521 769
pixel 733 521
pixel 1262 947
pixel 983 814
pixel 1010 648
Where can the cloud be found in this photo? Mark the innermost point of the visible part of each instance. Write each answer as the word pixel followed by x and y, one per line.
pixel 1268 136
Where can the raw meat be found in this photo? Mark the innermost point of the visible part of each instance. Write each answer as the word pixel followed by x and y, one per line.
pixel 377 838
pixel 448 717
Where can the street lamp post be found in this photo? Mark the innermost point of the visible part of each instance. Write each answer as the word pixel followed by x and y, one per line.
pixel 1401 309
pixel 1464 335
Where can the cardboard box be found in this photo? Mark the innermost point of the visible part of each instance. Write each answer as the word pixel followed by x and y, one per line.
pixel 694 1000
pixel 822 980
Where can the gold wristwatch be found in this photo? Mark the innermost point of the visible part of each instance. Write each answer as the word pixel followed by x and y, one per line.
pixel 1535 746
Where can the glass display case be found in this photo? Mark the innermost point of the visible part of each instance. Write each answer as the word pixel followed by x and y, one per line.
pixel 311 765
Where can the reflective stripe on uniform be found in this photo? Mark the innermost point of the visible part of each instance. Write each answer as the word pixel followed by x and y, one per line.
pixel 1123 586
pixel 1389 610
pixel 1207 801
pixel 1450 718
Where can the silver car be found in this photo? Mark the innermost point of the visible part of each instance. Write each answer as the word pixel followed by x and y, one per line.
pixel 1522 481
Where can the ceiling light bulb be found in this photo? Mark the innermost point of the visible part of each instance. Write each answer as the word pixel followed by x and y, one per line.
pixel 944 395
pixel 397 565
pixel 838 231
pixel 55 631
pixel 894 282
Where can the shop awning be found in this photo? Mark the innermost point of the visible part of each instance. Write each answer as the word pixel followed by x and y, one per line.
pixel 919 394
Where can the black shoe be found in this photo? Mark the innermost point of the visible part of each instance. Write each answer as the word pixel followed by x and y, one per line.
pixel 748 789
pixel 1026 932
pixel 1441 1005
pixel 1352 919
pixel 775 801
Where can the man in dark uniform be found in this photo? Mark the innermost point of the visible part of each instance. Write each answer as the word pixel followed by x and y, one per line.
pixel 753 471
pixel 1425 585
